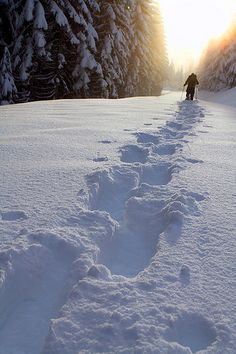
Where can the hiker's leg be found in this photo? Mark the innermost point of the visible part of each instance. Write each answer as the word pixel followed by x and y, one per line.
pixel 192 93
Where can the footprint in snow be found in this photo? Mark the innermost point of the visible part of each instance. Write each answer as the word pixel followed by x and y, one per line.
pixel 134 153
pixel 197 196
pixel 13 215
pixel 184 276
pixel 157 174
pixel 193 331
pixel 194 161
pixel 207 126
pixel 26 267
pixel 147 138
pixel 100 159
pixel 167 149
pixel 105 142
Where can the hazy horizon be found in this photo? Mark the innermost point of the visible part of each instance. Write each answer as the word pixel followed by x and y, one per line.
pixel 189 26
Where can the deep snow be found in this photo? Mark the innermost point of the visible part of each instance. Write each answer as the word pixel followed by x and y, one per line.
pixel 118 227
pixel 226 97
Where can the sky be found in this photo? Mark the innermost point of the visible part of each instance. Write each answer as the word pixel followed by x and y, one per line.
pixel 190 24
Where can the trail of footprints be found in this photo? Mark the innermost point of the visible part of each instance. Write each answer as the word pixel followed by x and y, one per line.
pixel 120 220
pixel 138 196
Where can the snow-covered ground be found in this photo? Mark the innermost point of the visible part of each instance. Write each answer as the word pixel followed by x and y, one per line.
pixel 226 97
pixel 118 227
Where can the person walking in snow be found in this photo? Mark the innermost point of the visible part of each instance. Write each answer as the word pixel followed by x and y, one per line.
pixel 191 81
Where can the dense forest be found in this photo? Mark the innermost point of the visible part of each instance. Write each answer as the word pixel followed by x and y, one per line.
pixel 218 63
pixel 80 48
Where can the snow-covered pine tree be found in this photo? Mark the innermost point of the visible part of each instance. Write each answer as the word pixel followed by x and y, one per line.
pixel 52 71
pixel 138 50
pixel 230 54
pixel 132 70
pixel 85 48
pixel 6 30
pixel 113 27
pixel 54 50
pixel 148 62
pixel 123 43
pixel 218 63
pixel 207 66
pixel 231 66
pixel 159 63
pixel 87 69
pixel 29 42
pixel 176 77
pixel 7 84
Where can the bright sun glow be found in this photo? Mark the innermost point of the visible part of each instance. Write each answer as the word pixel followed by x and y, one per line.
pixel 190 24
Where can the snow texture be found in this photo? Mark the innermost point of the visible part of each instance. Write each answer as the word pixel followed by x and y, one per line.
pixel 226 97
pixel 117 227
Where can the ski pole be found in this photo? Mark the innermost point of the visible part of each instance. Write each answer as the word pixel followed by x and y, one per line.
pixel 196 95
pixel 182 94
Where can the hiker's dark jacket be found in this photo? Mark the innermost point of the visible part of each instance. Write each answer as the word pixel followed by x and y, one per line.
pixel 191 81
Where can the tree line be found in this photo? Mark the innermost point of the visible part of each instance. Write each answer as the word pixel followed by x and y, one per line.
pixel 80 48
pixel 217 69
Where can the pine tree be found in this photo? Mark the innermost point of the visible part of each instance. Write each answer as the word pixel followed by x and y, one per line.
pixel 230 53
pixel 176 77
pixel 231 72
pixel 84 48
pixel 140 58
pixel 29 42
pixel 54 50
pixel 148 63
pixel 112 25
pixel 6 30
pixel 86 64
pixel 51 76
pixel 159 64
pixel 218 63
pixel 7 85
